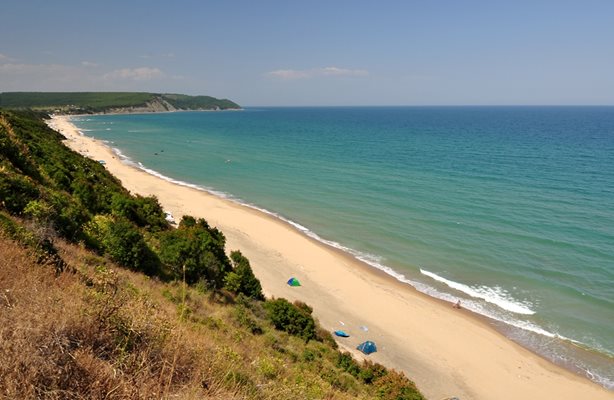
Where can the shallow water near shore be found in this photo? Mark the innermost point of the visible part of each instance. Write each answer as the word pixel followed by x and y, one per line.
pixel 510 209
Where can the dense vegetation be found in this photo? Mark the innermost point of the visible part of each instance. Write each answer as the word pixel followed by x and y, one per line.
pixel 95 102
pixel 185 102
pixel 102 298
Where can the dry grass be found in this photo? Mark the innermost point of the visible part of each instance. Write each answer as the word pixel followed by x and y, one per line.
pixel 83 335
pixel 102 332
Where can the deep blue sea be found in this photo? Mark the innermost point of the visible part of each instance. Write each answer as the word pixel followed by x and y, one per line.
pixel 510 209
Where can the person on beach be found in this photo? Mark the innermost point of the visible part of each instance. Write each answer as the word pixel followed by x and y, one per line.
pixel 457 305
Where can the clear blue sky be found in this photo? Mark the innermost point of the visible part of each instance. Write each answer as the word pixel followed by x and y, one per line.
pixel 316 52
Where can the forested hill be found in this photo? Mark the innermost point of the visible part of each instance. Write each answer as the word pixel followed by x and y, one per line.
pixel 111 102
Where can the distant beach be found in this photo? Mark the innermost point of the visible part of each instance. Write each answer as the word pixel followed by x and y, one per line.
pixel 446 351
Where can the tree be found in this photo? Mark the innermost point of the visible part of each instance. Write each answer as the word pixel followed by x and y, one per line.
pixel 242 279
pixel 287 317
pixel 198 248
pixel 143 211
pixel 123 242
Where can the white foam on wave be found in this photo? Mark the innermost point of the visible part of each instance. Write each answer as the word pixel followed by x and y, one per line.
pixel 493 295
pixel 602 380
pixel 480 308
pixel 122 157
pixel 127 160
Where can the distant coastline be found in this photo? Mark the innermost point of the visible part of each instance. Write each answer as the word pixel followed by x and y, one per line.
pixel 77 103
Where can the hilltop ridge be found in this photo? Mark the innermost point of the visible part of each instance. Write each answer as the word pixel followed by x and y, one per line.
pixel 112 102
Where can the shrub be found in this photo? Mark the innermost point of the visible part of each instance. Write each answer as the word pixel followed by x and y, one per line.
pixel 289 318
pixel 123 242
pixel 324 336
pixel 343 382
pixel 269 367
pixel 371 371
pixel 38 210
pixel 396 386
pixel 83 190
pixel 143 211
pixel 346 362
pixel 68 216
pixel 309 355
pixel 16 191
pixel 232 282
pixel 245 319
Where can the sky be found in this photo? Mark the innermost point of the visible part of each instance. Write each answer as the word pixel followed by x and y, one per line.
pixel 316 53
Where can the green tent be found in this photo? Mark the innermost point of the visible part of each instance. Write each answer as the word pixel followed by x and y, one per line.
pixel 293 282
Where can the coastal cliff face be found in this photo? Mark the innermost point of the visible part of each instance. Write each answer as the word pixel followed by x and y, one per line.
pixel 158 104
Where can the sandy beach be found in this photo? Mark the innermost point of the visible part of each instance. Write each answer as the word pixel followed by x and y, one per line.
pixel 447 352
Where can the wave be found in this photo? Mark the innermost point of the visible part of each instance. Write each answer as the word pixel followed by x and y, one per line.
pixel 494 295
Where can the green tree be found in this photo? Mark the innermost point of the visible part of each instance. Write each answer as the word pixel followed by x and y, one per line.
pixel 145 212
pixel 123 242
pixel 198 248
pixel 16 191
pixel 287 317
pixel 242 279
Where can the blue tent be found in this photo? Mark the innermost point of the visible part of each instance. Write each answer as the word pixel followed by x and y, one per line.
pixel 293 282
pixel 341 334
pixel 367 347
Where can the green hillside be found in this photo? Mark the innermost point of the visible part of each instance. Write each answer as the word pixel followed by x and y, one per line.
pixel 102 298
pixel 195 102
pixel 94 102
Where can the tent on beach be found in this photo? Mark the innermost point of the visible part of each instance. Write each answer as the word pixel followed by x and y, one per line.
pixel 367 347
pixel 293 282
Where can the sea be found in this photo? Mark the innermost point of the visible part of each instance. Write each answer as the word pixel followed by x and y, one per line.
pixel 508 209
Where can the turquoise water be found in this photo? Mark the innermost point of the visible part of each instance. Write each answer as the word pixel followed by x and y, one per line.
pixel 510 209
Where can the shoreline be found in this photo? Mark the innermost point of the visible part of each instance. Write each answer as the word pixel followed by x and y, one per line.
pixel 436 345
pixel 141 112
